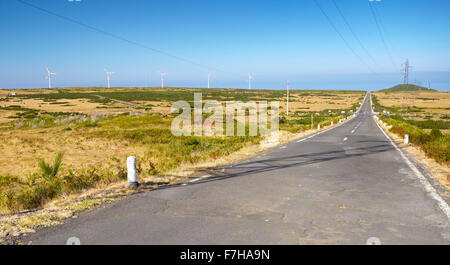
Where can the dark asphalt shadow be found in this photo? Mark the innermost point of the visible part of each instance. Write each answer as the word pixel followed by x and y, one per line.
pixel 283 162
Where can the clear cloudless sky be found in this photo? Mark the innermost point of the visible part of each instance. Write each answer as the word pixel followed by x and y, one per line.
pixel 274 40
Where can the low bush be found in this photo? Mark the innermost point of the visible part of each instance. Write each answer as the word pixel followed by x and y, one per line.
pixel 435 144
pixel 435 134
pixel 439 149
pixel 48 182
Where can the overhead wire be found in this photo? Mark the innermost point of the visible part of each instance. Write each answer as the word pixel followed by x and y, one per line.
pixel 115 36
pixel 377 11
pixel 363 47
pixel 330 21
pixel 380 32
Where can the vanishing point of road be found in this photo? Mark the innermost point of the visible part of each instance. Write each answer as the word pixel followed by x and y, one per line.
pixel 342 186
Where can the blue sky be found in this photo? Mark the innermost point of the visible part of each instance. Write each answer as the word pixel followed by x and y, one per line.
pixel 274 40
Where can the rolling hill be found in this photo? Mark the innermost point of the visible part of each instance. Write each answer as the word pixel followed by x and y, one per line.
pixel 409 87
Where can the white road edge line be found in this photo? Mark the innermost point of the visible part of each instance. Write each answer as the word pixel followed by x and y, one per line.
pixel 428 187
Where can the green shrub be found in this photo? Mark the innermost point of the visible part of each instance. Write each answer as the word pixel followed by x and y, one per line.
pixel 73 182
pixel 435 145
pixel 48 171
pixel 436 133
pixel 439 149
pixel 45 185
pixel 30 197
pixel 6 180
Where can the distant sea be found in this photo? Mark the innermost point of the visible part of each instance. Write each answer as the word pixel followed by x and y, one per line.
pixel 369 82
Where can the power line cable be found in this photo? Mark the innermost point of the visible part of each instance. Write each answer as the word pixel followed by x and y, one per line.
pixel 112 35
pixel 377 22
pixel 383 27
pixel 363 47
pixel 342 36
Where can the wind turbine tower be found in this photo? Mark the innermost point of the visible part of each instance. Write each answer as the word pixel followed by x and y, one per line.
pixel 209 80
pixel 162 79
pixel 250 78
pixel 49 77
pixel 108 77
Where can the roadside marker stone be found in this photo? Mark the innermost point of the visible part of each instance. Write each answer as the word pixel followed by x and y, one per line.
pixel 406 140
pixel 132 173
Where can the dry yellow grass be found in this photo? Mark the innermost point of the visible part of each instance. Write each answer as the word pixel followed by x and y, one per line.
pixel 21 148
pixel 313 102
pixel 156 106
pixel 5 114
pixel 69 105
pixel 320 103
pixel 432 102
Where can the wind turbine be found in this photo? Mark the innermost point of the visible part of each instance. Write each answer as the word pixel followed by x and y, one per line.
pixel 108 77
pixel 209 79
pixel 49 77
pixel 250 78
pixel 162 79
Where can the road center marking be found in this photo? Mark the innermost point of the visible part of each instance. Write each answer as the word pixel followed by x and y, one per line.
pixel 313 135
pixel 345 139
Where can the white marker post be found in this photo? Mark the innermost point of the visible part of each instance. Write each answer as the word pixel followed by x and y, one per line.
pixel 132 173
pixel 318 127
pixel 406 140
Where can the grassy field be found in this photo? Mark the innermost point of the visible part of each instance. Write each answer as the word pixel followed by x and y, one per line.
pixel 423 115
pixel 417 103
pixel 57 142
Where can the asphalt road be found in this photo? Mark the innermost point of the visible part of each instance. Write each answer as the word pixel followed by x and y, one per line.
pixel 342 186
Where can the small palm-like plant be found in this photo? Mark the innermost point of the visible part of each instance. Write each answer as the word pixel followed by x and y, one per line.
pixel 49 171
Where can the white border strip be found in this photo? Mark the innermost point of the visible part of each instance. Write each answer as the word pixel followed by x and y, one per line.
pixel 428 187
